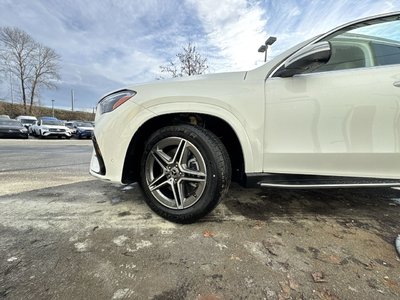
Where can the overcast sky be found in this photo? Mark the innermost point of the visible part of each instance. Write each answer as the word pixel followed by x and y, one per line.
pixel 106 45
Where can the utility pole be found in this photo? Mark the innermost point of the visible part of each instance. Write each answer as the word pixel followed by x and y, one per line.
pixel 52 106
pixel 11 89
pixel 72 99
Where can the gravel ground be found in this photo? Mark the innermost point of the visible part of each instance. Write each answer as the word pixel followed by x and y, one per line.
pixel 65 235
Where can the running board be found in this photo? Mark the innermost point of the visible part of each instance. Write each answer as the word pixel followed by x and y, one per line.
pixel 328 185
pixel 299 181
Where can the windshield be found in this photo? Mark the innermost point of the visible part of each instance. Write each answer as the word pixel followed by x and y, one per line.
pixel 52 122
pixel 10 123
pixel 27 121
pixel 83 124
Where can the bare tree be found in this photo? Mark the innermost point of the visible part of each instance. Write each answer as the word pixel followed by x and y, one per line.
pixel 33 64
pixel 45 71
pixel 188 63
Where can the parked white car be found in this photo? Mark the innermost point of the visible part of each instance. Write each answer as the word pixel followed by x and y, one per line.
pixel 70 126
pixel 45 127
pixel 27 121
pixel 325 113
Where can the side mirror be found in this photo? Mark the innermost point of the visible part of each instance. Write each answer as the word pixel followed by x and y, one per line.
pixel 307 59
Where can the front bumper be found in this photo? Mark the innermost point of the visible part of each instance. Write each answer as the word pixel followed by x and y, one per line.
pixel 97 166
pixel 15 135
pixel 84 134
pixel 112 135
pixel 56 133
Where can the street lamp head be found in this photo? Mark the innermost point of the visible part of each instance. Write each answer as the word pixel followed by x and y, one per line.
pixel 262 48
pixel 270 41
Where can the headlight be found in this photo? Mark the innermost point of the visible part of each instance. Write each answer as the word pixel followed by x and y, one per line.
pixel 111 102
pixel 23 130
pixel 45 128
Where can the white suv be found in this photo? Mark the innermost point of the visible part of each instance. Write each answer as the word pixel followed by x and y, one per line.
pixel 45 127
pixel 325 113
pixel 27 121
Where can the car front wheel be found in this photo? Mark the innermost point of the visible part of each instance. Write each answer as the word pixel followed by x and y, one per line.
pixel 185 171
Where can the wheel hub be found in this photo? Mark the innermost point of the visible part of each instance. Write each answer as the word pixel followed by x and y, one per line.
pixel 175 173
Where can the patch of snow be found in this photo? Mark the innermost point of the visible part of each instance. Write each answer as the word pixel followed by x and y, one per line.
pixel 120 240
pixel 82 247
pixel 11 259
pixel 122 293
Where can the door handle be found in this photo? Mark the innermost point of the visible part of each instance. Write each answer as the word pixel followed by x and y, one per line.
pixel 396 83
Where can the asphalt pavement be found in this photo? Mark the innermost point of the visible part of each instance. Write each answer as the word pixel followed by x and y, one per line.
pixel 66 235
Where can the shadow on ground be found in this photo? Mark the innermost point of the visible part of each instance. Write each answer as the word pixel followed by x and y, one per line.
pixel 377 209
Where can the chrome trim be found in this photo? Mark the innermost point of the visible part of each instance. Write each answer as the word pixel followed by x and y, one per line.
pixel 319 186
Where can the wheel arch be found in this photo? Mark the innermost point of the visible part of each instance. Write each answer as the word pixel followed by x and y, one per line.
pixel 220 127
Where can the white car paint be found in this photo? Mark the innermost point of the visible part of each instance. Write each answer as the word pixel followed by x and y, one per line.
pixel 343 122
pixel 27 121
pixel 43 129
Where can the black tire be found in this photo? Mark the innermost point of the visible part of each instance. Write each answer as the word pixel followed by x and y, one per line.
pixel 206 171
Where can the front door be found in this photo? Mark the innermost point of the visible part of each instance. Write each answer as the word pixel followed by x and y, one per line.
pixel 342 118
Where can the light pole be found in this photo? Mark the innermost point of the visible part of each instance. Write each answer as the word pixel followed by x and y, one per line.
pixel 72 99
pixel 264 48
pixel 11 89
pixel 52 106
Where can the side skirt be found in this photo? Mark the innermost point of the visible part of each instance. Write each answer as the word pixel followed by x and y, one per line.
pixel 296 181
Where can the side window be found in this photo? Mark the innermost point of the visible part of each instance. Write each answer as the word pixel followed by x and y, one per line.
pixel 373 43
pixel 385 54
pixel 346 54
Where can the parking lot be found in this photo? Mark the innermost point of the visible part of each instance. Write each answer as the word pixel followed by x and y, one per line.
pixel 66 235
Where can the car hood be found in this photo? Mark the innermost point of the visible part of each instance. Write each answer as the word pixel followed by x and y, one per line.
pixel 55 126
pixel 11 127
pixel 193 79
pixel 180 89
pixel 215 76
pixel 85 128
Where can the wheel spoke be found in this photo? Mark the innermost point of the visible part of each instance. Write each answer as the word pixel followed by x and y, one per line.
pixel 190 173
pixel 161 158
pixel 180 150
pixel 193 179
pixel 177 190
pixel 193 176
pixel 158 182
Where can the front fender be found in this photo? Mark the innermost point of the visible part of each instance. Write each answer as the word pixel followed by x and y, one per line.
pixel 250 140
